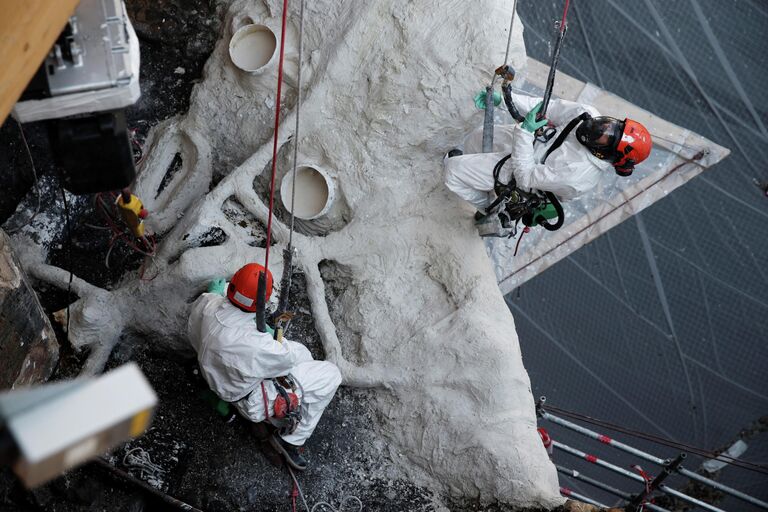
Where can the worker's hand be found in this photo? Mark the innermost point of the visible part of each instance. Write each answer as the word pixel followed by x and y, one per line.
pixel 530 123
pixel 218 286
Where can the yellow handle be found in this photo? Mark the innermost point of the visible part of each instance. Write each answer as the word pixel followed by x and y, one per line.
pixel 130 212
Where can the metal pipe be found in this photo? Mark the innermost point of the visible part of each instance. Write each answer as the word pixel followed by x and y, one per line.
pixel 165 498
pixel 669 468
pixel 647 456
pixel 634 476
pixel 488 121
pixel 600 485
pixel 591 481
pixel 572 494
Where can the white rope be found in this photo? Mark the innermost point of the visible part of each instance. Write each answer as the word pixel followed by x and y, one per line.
pixel 298 125
pixel 140 459
pixel 342 503
pixel 509 40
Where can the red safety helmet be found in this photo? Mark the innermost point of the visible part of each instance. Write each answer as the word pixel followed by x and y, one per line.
pixel 624 143
pixel 634 147
pixel 244 284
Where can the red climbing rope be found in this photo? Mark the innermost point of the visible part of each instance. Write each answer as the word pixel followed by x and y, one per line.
pixel 565 15
pixel 526 229
pixel 274 137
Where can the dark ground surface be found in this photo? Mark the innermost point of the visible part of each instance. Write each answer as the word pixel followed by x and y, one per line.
pixel 205 461
pixel 661 324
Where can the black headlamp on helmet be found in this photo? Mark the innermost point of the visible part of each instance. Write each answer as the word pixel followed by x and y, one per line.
pixel 601 135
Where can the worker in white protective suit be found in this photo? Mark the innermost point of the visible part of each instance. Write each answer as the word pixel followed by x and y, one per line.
pixel 568 165
pixel 264 378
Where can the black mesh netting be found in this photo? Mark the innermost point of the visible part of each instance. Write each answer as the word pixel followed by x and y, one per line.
pixel 662 324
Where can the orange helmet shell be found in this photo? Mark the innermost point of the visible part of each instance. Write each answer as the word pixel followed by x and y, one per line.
pixel 244 284
pixel 634 146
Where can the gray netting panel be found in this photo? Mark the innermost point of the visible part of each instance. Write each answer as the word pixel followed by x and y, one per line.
pixel 661 324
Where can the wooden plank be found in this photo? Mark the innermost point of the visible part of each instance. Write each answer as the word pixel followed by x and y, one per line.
pixel 28 29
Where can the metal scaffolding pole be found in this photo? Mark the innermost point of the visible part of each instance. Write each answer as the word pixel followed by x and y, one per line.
pixel 572 494
pixel 656 460
pixel 600 485
pixel 634 476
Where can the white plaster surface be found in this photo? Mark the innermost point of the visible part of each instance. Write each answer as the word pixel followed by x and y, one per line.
pixel 388 89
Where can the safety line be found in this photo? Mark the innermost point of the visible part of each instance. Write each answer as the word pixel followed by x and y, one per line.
pixel 274 137
pixel 298 125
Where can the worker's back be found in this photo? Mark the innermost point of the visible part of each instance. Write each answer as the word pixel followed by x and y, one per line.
pixel 233 355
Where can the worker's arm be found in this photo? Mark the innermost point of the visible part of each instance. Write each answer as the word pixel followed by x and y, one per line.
pixel 276 359
pixel 559 112
pixel 532 175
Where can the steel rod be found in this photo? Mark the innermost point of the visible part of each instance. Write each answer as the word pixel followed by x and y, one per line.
pixel 634 476
pixel 669 468
pixel 165 498
pixel 600 485
pixel 572 494
pixel 647 456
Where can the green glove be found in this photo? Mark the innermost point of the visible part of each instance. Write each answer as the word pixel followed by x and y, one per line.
pixel 218 286
pixel 270 330
pixel 480 99
pixel 530 123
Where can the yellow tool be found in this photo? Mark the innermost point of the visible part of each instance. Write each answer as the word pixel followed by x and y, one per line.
pixel 281 324
pixel 132 211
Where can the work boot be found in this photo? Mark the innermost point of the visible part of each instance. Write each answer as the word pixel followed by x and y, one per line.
pixel 292 453
pixel 454 152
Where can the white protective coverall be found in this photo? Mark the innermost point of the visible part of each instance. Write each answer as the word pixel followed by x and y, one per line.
pixel 235 357
pixel 570 170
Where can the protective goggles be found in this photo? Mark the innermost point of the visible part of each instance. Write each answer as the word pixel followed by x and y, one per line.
pixel 600 133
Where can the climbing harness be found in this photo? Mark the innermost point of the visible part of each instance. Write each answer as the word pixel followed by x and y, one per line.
pixel 514 205
pixel 287 404
pixel 532 208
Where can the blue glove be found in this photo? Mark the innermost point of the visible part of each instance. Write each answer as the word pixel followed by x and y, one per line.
pixel 218 286
pixel 530 123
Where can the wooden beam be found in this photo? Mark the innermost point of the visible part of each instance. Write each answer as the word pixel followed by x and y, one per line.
pixel 28 29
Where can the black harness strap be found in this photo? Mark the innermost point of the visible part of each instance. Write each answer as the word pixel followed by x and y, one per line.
pixel 563 134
